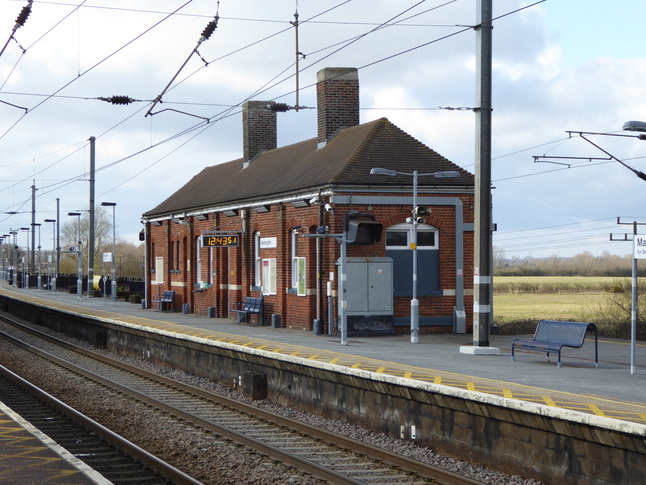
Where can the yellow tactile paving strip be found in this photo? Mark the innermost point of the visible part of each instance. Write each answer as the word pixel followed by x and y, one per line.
pixel 26 459
pixel 625 411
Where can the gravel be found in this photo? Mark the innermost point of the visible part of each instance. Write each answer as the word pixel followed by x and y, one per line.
pixel 205 456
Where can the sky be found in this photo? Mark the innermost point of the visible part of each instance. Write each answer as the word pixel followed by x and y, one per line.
pixel 559 66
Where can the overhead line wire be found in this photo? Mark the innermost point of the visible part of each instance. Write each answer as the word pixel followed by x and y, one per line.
pixel 224 114
pixel 91 68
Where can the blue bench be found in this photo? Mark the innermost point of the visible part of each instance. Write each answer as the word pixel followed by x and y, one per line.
pixel 552 336
pixel 167 300
pixel 251 306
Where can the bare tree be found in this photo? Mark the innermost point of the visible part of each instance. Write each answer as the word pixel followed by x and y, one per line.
pixel 102 240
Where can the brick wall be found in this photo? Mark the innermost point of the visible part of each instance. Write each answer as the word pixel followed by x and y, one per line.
pixel 234 268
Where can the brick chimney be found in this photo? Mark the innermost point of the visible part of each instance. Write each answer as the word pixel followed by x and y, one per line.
pixel 337 97
pixel 258 129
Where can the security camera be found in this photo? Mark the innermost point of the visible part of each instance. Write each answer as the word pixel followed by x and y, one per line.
pixel 315 201
pixel 329 208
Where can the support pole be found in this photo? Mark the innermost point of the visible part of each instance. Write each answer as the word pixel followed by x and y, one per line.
pixel 343 296
pixel 58 237
pixel 414 302
pixel 90 247
pixel 31 267
pixel 634 310
pixel 483 248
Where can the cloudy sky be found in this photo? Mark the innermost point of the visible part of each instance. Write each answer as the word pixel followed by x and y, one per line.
pixel 559 65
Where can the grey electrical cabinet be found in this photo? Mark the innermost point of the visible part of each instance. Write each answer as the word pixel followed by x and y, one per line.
pixel 369 295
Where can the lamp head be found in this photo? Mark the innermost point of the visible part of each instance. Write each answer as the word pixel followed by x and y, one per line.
pixel 639 126
pixel 447 174
pixel 382 171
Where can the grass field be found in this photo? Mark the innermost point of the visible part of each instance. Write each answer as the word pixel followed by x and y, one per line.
pixel 519 302
pixel 570 280
pixel 555 284
pixel 512 307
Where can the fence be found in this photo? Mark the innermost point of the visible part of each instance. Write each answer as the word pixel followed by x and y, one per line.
pixel 68 282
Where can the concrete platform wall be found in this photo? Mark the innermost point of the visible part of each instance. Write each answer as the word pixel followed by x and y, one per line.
pixel 549 444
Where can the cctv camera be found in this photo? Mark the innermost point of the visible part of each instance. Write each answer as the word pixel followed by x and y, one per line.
pixel 328 207
pixel 315 201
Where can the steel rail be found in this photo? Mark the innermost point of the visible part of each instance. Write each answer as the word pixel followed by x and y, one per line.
pixel 384 456
pixel 158 465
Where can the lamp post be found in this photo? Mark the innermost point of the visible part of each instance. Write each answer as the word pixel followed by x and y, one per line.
pixel 640 127
pixel 2 277
pixel 6 267
pixel 414 219
pixel 25 267
pixel 6 263
pixel 79 253
pixel 14 233
pixel 113 275
pixel 6 254
pixel 33 238
pixel 52 281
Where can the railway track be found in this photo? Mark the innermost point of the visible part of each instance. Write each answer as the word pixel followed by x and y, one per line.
pixel 116 459
pixel 327 456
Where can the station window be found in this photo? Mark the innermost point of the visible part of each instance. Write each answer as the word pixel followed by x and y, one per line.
pixel 198 259
pixel 159 270
pixel 177 255
pixel 295 258
pixel 400 236
pixel 257 270
pixel 398 240
pixel 269 276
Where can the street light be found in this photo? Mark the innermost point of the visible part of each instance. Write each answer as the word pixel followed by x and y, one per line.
pixel 36 225
pixel 414 302
pixel 2 277
pixel 14 233
pixel 639 126
pixel 113 275
pixel 52 282
pixel 25 269
pixel 79 253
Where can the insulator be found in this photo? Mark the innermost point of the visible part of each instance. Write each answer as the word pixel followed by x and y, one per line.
pixel 280 107
pixel 121 100
pixel 24 13
pixel 210 28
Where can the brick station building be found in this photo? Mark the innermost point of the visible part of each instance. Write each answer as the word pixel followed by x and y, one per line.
pixel 287 210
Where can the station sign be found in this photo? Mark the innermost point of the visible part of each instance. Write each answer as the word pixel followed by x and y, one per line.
pixel 220 240
pixel 639 246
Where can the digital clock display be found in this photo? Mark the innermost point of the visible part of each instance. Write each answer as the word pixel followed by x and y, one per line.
pixel 221 240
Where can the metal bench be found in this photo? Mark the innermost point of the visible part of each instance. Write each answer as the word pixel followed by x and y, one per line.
pixel 552 336
pixel 167 299
pixel 251 306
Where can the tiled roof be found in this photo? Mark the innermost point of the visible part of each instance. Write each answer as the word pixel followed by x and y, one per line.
pixel 345 160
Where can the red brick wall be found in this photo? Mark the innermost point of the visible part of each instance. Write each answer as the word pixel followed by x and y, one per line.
pixel 234 267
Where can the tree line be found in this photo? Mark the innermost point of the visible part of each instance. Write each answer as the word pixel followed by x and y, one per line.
pixel 583 264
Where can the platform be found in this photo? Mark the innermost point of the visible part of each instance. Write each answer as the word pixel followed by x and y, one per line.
pixel 27 456
pixel 610 391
